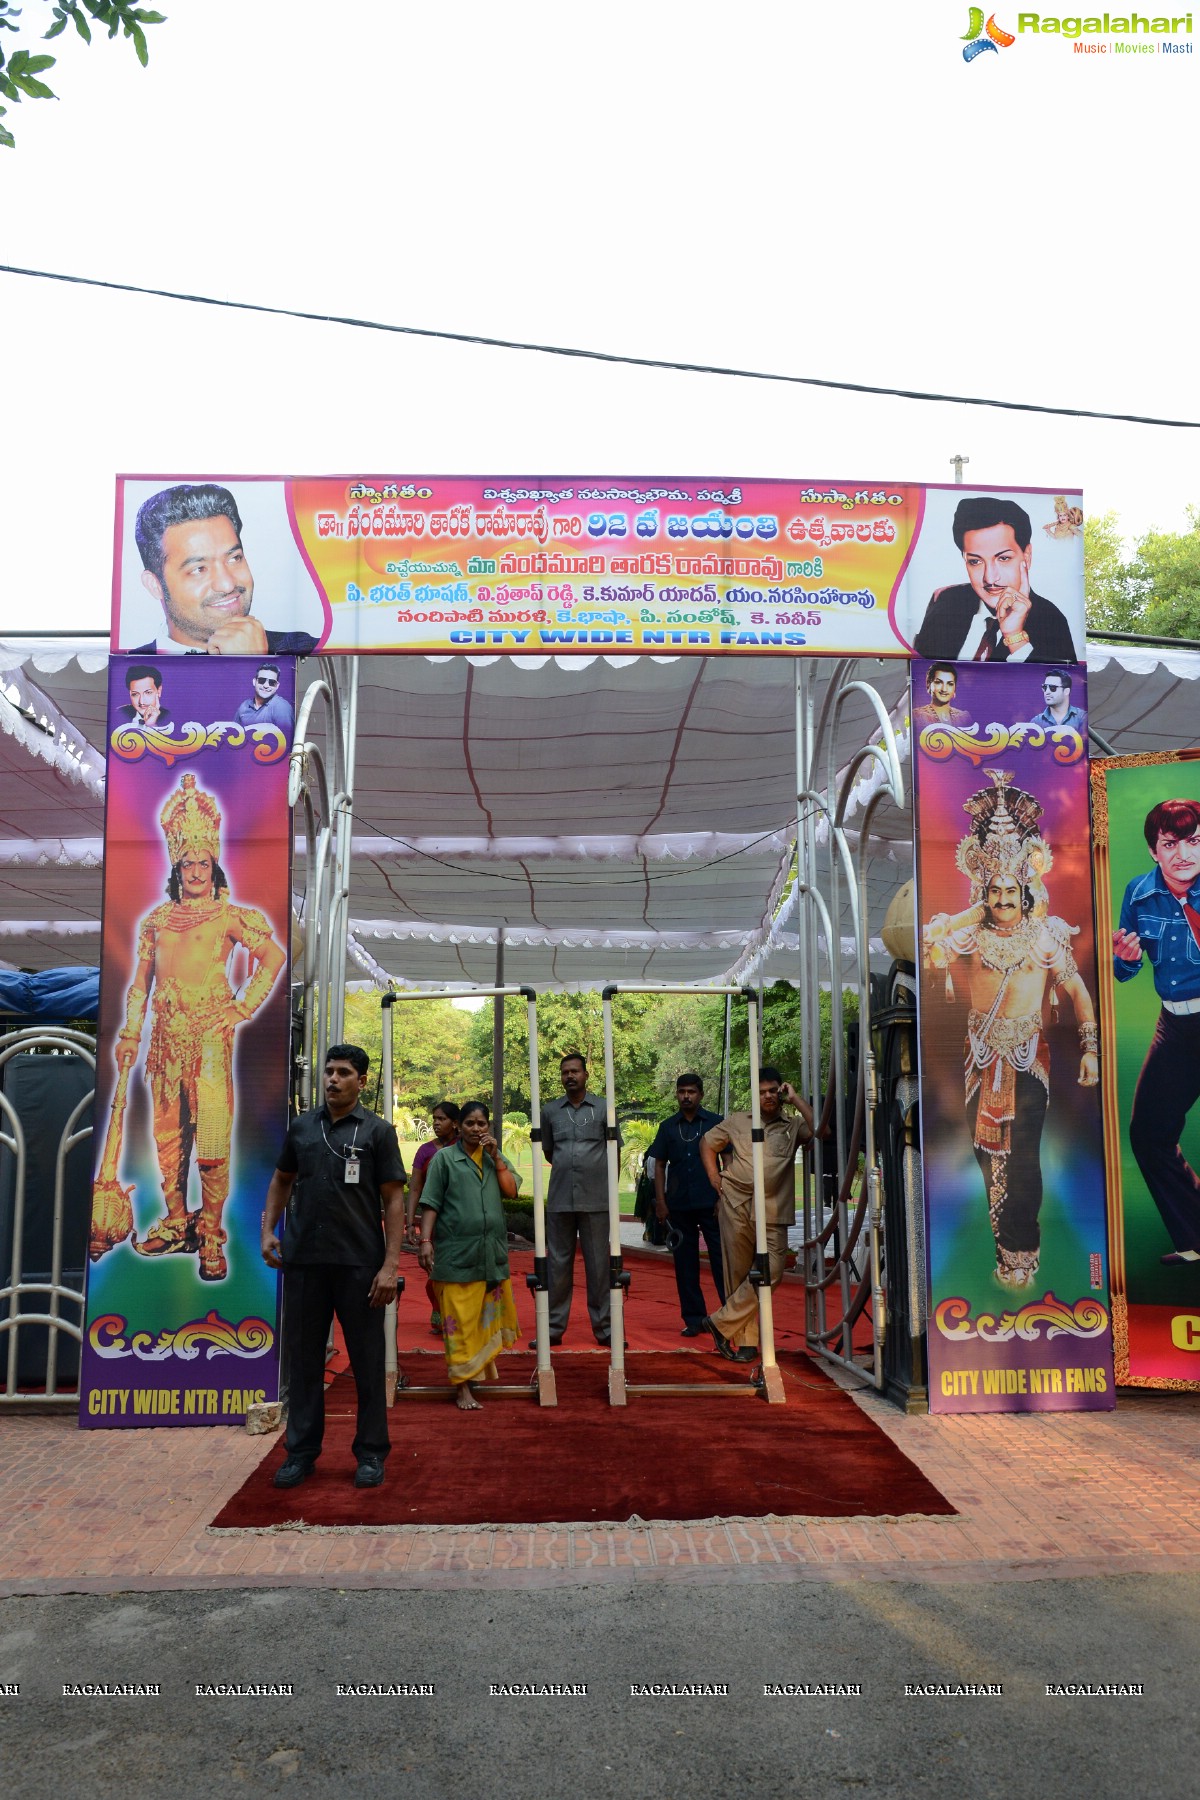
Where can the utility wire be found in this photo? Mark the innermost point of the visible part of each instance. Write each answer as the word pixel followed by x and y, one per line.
pixel 583 879
pixel 603 356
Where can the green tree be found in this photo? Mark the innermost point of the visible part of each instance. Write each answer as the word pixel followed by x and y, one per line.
pixel 638 1135
pixel 1156 590
pixel 21 72
pixel 430 1060
pixel 566 1023
pixel 782 1023
pixel 679 1033
pixel 1167 567
pixel 1114 598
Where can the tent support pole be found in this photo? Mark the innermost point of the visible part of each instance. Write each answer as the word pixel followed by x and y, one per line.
pixel 618 1281
pixel 388 1086
pixel 539 1284
pixel 498 1038
pixel 725 1061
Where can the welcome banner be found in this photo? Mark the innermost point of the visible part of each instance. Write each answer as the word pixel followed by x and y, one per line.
pixel 1010 1109
pixel 1146 826
pixel 527 565
pixel 193 1041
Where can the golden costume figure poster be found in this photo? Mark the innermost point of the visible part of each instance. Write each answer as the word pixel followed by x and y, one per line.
pixel 1009 1043
pixel 193 1043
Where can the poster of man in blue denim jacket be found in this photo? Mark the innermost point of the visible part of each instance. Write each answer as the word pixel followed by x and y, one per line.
pixel 1160 920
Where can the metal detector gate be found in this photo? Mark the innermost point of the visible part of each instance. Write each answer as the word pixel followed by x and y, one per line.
pixel 541 1383
pixel 766 1380
pixel 831 865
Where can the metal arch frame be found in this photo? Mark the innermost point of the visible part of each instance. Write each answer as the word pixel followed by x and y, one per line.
pixel 542 1382
pixel 830 799
pixel 13 1140
pixel 324 786
pixel 326 938
pixel 767 1380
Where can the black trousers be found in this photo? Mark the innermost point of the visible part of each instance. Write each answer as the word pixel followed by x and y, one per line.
pixel 1167 1089
pixel 1016 1226
pixel 695 1223
pixel 312 1294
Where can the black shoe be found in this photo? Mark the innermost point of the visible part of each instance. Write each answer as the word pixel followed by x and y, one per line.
pixel 692 1331
pixel 291 1473
pixel 746 1353
pixel 369 1472
pixel 555 1341
pixel 724 1347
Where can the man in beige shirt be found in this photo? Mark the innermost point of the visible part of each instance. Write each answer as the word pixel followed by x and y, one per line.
pixel 727 1154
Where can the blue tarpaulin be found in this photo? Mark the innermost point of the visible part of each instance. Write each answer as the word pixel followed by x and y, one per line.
pixel 50 997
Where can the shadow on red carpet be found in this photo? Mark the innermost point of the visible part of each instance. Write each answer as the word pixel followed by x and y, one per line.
pixel 660 1457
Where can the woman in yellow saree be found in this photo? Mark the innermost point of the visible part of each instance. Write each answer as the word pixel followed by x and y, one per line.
pixel 464 1245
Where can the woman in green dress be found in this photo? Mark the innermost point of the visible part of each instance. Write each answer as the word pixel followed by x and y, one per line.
pixel 464 1246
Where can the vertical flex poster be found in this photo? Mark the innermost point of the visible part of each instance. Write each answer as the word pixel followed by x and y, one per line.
pixel 1146 823
pixel 1010 1110
pixel 192 1065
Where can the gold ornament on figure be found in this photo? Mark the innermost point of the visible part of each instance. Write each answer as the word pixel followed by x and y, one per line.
pixel 1004 841
pixel 191 820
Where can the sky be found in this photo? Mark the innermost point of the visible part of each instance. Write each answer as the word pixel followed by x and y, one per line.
pixel 808 189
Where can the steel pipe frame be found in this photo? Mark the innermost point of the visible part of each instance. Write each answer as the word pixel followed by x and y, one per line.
pixel 12 1043
pixel 831 800
pixel 542 1383
pixel 768 1381
pixel 328 831
pixel 325 968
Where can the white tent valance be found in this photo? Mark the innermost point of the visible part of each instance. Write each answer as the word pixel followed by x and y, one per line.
pixel 619 818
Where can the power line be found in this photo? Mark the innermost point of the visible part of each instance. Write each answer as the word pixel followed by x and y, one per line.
pixel 603 356
pixel 585 879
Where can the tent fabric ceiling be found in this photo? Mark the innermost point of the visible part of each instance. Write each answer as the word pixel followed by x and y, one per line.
pixel 625 819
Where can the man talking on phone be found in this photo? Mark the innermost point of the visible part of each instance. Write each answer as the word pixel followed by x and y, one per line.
pixel 727 1154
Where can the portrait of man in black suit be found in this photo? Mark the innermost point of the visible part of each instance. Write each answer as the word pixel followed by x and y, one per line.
pixel 145 697
pixel 995 615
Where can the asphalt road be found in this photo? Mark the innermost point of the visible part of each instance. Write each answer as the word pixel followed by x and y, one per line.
pixel 464 1741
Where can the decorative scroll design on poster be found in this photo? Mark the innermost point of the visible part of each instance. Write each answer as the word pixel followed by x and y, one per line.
pixel 1088 1318
pixel 110 1337
pixel 943 741
pixel 132 742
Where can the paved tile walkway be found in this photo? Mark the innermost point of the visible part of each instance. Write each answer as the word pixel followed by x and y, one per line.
pixel 1037 1495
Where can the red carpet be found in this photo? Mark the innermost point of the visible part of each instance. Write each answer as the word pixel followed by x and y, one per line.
pixel 582 1461
pixel 652 1320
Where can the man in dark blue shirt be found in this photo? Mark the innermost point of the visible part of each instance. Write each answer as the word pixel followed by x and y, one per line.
pixel 341 1180
pixel 1160 918
pixel 686 1199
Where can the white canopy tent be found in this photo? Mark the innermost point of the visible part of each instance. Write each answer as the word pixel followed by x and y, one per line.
pixel 617 818
pixel 607 820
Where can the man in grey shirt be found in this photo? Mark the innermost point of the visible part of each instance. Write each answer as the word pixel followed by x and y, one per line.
pixel 574 1145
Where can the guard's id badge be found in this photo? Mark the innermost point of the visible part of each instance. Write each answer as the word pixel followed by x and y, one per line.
pixel 352 1168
